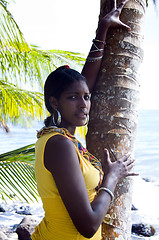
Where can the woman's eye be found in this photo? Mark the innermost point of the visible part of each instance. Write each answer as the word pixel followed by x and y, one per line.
pixel 72 97
pixel 87 97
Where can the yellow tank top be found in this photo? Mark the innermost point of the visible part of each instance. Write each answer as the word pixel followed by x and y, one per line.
pixel 57 224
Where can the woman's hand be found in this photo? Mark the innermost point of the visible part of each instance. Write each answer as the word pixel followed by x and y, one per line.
pixel 118 169
pixel 112 19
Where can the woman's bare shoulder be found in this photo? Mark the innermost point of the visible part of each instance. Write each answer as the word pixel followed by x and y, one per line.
pixel 59 141
pixel 58 147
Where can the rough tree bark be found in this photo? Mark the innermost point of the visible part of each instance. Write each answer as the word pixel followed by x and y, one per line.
pixel 113 116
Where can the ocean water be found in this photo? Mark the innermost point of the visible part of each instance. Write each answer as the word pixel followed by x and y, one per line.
pixel 145 193
pixel 146 149
pixel 147 145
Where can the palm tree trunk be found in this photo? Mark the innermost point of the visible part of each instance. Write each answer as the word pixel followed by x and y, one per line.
pixel 113 116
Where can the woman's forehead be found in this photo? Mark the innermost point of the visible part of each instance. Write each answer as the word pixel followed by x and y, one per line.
pixel 78 86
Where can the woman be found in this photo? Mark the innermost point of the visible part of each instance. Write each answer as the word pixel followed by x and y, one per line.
pixel 76 191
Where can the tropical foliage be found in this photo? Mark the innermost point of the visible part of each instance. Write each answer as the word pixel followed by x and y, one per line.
pixel 18 177
pixel 23 67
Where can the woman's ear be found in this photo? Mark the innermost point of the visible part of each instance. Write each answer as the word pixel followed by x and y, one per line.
pixel 53 103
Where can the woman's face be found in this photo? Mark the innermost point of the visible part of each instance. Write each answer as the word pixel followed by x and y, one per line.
pixel 74 105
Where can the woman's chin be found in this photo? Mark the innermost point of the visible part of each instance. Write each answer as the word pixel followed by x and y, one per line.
pixel 82 123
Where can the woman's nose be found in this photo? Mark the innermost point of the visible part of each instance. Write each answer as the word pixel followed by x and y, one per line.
pixel 83 102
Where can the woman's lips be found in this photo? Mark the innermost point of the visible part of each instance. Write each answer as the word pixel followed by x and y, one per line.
pixel 82 115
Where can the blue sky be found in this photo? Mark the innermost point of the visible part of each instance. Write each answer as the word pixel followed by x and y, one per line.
pixel 70 25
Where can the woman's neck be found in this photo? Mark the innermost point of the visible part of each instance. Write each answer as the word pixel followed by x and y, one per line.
pixel 70 129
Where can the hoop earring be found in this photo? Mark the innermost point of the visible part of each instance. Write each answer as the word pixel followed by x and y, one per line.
pixel 87 120
pixel 58 119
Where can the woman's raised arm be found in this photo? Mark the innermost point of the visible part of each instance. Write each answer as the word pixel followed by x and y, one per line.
pixel 93 61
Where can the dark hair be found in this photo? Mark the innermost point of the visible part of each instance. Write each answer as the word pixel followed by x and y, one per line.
pixel 57 82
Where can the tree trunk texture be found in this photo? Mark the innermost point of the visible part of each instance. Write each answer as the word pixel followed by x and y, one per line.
pixel 113 116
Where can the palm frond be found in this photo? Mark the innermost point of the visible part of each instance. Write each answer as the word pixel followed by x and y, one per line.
pixel 18 181
pixel 11 35
pixel 15 102
pixel 37 64
pixel 74 59
pixel 17 178
pixel 23 62
pixel 24 154
pixel 34 66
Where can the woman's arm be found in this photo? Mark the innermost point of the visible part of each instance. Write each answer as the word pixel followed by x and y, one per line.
pixel 61 159
pixel 93 61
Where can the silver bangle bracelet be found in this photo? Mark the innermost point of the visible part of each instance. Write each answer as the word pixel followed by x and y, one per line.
pixel 93 59
pixel 100 50
pixel 100 41
pixel 108 191
pixel 96 50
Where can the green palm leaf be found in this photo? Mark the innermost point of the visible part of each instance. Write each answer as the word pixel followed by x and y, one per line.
pixel 17 179
pixel 13 185
pixel 74 60
pixel 22 154
pixel 23 62
pixel 11 35
pixel 15 102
